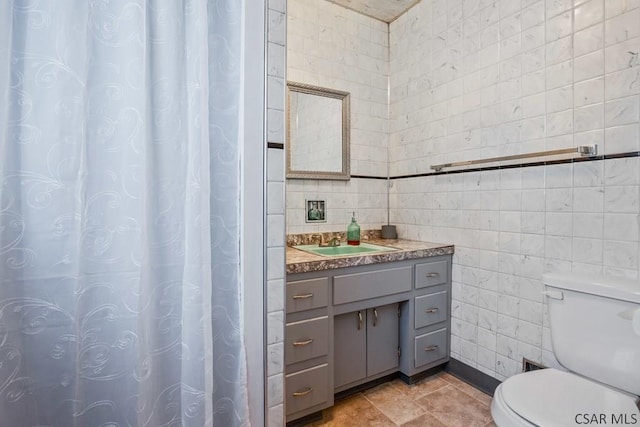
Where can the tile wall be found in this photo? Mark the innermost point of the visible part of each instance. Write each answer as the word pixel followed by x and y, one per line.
pixel 366 197
pixel 480 78
pixel 337 48
pixel 276 40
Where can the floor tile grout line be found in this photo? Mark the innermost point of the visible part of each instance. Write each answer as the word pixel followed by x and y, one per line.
pixel 379 409
pixel 397 390
pixel 448 384
pixel 428 379
pixel 468 394
pixel 433 391
pixel 435 414
pixel 383 413
pixel 453 386
pixel 422 407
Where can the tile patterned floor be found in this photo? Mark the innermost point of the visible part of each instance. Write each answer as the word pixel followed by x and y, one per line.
pixel 437 401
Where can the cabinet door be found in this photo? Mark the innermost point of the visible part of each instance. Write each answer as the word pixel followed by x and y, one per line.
pixel 382 338
pixel 349 347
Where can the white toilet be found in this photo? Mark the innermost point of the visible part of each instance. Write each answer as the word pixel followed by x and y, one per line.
pixel 595 334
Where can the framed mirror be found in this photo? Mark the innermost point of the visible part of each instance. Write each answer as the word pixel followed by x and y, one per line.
pixel 317 132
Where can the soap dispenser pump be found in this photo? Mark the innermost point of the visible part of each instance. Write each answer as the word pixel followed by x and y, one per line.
pixel 353 232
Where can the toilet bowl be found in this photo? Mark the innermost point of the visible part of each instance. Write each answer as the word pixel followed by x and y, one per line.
pixel 594 335
pixel 549 397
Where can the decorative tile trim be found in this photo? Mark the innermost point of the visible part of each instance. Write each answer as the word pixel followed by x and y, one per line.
pixel 368 177
pixel 492 168
pixel 276 145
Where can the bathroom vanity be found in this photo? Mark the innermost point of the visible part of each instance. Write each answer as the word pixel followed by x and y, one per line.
pixel 354 319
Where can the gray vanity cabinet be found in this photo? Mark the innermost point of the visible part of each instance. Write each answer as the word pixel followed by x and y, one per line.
pixel 366 344
pixel 426 321
pixel 307 347
pixel 351 325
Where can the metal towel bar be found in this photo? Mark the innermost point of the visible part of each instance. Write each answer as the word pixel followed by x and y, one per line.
pixel 583 150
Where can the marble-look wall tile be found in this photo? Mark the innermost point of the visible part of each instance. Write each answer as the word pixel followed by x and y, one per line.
pixel 588 92
pixel 334 47
pixel 588 40
pixel 275 391
pixel 275 227
pixel 276 415
pixel 588 13
pixel 622 27
pixel 534 75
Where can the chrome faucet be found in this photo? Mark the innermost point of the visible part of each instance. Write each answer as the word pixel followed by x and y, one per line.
pixel 333 242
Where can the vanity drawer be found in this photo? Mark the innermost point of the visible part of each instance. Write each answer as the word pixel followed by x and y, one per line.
pixel 371 284
pixel 430 309
pixel 431 347
pixel 431 274
pixel 307 294
pixel 306 339
pixel 307 388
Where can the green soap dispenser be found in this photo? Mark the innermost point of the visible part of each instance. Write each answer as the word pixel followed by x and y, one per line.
pixel 353 232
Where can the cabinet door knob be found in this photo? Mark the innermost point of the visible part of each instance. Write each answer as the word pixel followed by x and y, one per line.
pixel 433 274
pixel 431 348
pixel 302 393
pixel 303 296
pixel 359 320
pixel 375 317
pixel 301 343
pixel 431 310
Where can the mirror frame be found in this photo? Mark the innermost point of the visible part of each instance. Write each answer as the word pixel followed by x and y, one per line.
pixel 345 174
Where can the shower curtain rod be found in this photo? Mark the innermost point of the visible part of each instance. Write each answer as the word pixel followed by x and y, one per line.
pixel 583 150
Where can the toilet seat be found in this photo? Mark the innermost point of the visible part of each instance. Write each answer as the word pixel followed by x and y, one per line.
pixel 502 415
pixel 550 397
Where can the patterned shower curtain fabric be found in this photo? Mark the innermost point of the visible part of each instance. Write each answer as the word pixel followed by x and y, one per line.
pixel 119 286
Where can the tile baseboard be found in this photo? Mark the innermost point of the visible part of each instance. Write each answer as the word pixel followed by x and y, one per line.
pixel 422 375
pixel 472 376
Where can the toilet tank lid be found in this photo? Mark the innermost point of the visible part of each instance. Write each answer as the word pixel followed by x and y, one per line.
pixel 608 286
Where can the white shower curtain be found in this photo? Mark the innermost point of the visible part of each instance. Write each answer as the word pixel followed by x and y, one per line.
pixel 120 300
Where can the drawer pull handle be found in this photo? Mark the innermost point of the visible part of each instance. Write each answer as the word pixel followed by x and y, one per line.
pixel 375 317
pixel 431 310
pixel 434 274
pixel 431 348
pixel 301 343
pixel 303 296
pixel 359 320
pixel 302 393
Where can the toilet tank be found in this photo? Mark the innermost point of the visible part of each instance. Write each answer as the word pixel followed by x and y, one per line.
pixel 595 327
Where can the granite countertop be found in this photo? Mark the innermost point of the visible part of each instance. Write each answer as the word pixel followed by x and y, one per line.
pixel 303 262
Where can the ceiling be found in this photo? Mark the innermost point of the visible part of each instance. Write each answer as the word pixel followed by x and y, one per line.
pixel 384 10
